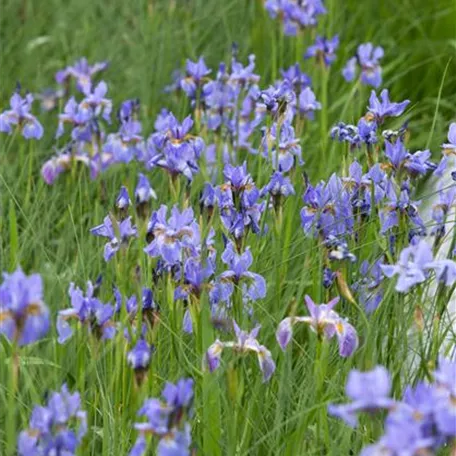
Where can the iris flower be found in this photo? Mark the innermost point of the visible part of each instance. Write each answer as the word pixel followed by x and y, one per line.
pixel 245 342
pixel 324 321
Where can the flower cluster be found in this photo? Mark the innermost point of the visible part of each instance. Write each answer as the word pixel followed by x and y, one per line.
pixel 85 145
pixel 415 264
pixel 173 236
pixel 57 428
pixel 167 420
pixel 295 14
pixel 421 423
pixel 239 202
pixel 238 155
pixel 127 143
pixel 172 147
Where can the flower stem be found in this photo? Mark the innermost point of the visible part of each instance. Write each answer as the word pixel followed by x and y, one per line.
pixel 12 406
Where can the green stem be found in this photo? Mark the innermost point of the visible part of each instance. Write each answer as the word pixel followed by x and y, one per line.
pixel 30 176
pixel 324 106
pixel 12 406
pixel 321 365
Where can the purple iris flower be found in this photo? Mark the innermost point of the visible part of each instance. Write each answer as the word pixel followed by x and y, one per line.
pixel 253 285
pixel 369 286
pixel 402 435
pixel 445 394
pixel 237 221
pixel 328 209
pixel 168 420
pixel 368 58
pixel 79 119
pixel 143 194
pixel 360 188
pixel 346 133
pixel 88 310
pixel 49 98
pixel 149 307
pixel 324 321
pixel 443 399
pixel 243 75
pixel 24 318
pixel 278 186
pixel 65 159
pixel 324 50
pixel 328 277
pixel 220 99
pixel 81 71
pixel 338 249
pixel 308 103
pixel 447 149
pixel 129 110
pixel 196 74
pixel 422 423
pixel 369 391
pixel 450 146
pixel 396 153
pixel 284 152
pixel 295 15
pixel 415 164
pixel 415 264
pixel 245 342
pixel 349 70
pixel 444 375
pixel 172 236
pixel 396 206
pixel 95 104
pixel 123 201
pixel 19 115
pixel 118 234
pixel 447 199
pixel 381 109
pixel 365 132
pixel 238 201
pixel 84 117
pixel 139 359
pixel 237 177
pixel 173 148
pixel 195 275
pixel 298 79
pixel 208 197
pixel 278 99
pixel 57 428
pixel 126 144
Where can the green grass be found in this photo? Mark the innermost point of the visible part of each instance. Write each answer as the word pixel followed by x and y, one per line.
pixel 45 229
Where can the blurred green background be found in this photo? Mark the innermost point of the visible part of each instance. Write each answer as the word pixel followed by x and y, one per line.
pixel 146 40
